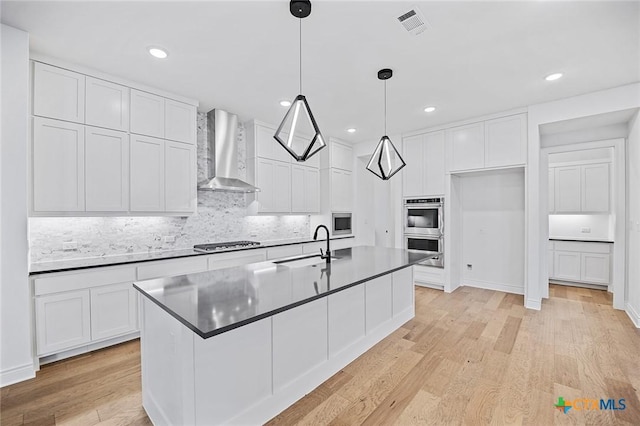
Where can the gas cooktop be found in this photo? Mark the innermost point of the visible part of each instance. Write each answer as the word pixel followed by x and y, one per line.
pixel 211 247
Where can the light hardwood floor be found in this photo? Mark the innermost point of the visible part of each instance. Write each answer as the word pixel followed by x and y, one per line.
pixel 471 357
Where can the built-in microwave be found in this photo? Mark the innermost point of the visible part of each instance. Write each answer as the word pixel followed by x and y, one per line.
pixel 424 216
pixel 428 243
pixel 341 223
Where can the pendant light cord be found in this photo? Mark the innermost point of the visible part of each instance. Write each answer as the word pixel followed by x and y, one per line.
pixel 300 40
pixel 385 107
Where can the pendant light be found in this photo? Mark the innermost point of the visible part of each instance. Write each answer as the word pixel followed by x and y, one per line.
pixel 385 160
pixel 298 133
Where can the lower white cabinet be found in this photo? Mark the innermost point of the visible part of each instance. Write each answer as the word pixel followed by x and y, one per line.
pixel 63 321
pixel 113 311
pixel 580 262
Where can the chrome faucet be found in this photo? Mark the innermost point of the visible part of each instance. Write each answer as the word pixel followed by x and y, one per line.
pixel 327 255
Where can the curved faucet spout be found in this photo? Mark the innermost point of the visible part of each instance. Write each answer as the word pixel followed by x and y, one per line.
pixel 327 255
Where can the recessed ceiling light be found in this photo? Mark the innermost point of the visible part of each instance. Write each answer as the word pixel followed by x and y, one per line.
pixel 156 52
pixel 430 109
pixel 352 130
pixel 553 76
pixel 285 103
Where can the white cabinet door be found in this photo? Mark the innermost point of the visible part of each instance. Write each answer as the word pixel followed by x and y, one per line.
pixel 147 114
pixel 106 170
pixel 179 177
pixel 505 141
pixel 267 146
pixel 58 166
pixel 413 173
pixel 566 265
pixel 264 180
pixel 58 93
pixel 379 301
pixel 434 161
pixel 312 190
pixel 341 191
pixel 107 104
pixel 341 156
pixel 466 147
pixel 595 188
pixel 113 310
pixel 551 199
pixel 567 189
pixel 297 189
pixel 147 174
pixel 282 187
pixel 63 321
pixel 595 268
pixel 179 121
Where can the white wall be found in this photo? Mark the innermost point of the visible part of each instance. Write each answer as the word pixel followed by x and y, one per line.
pixel 492 212
pixel 16 359
pixel 616 99
pixel 633 219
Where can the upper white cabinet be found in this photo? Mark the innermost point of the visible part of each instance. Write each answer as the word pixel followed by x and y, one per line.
pixel 58 166
pixel 180 177
pixel 341 191
pixel 501 142
pixel 595 188
pixel 106 170
pixel 580 188
pixel 424 173
pixel 305 185
pixel 58 93
pixel 147 174
pixel 341 155
pixel 147 114
pixel 466 147
pixel 107 104
pixel 286 186
pixel 179 121
pixel 131 151
pixel 505 141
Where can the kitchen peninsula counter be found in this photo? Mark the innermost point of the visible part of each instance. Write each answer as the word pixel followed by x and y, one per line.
pixel 239 345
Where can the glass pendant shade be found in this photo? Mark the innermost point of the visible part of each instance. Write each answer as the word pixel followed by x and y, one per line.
pixel 385 160
pixel 299 133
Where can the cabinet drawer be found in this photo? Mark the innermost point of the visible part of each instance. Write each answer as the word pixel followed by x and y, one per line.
pixel 312 248
pixel 229 260
pixel 342 243
pixel 426 274
pixel 284 251
pixel 81 280
pixel 580 246
pixel 170 268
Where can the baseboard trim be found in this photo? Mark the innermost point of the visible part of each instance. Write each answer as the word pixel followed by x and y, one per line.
pixel 17 374
pixel 633 314
pixel 507 288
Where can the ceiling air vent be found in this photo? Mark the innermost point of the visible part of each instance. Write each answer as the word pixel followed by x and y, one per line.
pixel 413 21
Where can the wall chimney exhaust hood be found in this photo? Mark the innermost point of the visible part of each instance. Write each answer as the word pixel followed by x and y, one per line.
pixel 222 146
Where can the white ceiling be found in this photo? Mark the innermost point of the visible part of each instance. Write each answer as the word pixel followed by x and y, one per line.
pixel 477 58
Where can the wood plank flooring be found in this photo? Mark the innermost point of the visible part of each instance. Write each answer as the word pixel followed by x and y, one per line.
pixel 470 357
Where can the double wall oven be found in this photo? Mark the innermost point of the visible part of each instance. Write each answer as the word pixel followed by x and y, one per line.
pixel 424 227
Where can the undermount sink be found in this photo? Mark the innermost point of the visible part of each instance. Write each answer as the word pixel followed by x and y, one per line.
pixel 301 261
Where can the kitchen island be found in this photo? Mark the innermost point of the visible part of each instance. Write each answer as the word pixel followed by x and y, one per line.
pixel 239 345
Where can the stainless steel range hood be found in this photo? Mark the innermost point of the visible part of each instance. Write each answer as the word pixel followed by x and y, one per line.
pixel 222 147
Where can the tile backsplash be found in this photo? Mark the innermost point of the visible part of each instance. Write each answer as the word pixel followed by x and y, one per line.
pixel 221 216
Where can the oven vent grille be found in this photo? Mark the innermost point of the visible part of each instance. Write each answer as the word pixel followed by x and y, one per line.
pixel 414 21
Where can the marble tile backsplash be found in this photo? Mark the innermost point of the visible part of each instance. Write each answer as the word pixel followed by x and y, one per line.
pixel 221 216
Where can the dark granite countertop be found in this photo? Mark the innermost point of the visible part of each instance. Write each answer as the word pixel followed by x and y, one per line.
pixel 212 302
pixel 580 241
pixel 123 259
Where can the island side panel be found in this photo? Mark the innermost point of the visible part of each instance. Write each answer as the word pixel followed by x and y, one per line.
pixel 379 302
pixel 166 349
pixel 403 292
pixel 346 319
pixel 233 372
